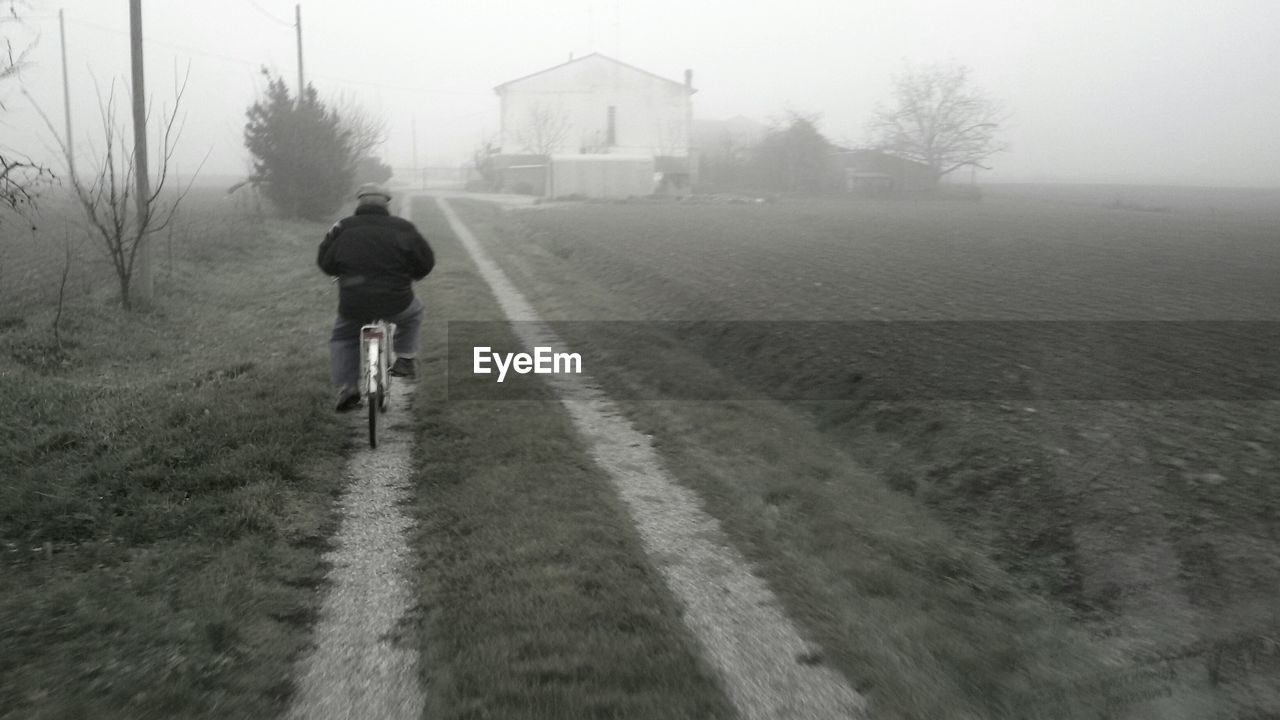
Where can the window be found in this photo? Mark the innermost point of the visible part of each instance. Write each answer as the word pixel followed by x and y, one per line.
pixel 611 134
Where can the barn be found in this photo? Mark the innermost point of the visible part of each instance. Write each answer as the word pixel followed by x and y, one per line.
pixel 877 173
pixel 596 127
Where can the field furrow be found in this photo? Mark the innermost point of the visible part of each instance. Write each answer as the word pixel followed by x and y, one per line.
pixel 1118 466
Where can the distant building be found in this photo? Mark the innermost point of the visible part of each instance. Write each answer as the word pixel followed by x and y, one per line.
pixel 727 139
pixel 596 127
pixel 879 174
pixel 723 149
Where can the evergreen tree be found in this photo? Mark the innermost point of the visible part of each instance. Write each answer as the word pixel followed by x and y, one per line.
pixel 794 158
pixel 303 158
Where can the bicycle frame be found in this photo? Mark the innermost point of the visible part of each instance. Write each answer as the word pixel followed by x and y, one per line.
pixel 377 353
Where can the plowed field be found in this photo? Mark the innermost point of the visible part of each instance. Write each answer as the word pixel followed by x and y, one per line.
pixel 1148 512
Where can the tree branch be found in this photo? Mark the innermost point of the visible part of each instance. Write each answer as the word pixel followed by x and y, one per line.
pixel 938 120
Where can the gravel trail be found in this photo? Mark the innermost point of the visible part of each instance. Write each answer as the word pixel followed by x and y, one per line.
pixel 769 671
pixel 355 670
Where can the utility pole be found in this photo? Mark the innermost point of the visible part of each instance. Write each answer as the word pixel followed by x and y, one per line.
pixel 142 288
pixel 297 17
pixel 66 95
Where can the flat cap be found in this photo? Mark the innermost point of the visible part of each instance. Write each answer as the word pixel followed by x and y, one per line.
pixel 373 194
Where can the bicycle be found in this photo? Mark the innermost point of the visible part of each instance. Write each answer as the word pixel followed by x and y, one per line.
pixel 376 356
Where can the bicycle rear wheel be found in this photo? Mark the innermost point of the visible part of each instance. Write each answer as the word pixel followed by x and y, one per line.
pixel 375 399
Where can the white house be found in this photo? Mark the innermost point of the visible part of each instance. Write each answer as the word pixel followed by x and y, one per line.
pixel 601 126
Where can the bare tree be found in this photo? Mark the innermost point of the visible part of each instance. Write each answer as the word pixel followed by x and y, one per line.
pixel 13 62
pixel 544 131
pixel 939 120
pixel 595 142
pixel 107 197
pixel 366 131
pixel 20 176
pixel 482 161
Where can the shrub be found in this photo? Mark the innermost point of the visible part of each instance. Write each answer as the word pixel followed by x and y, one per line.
pixel 303 157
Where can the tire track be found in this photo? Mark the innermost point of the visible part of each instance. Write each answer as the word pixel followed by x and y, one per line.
pixel 768 669
pixel 355 670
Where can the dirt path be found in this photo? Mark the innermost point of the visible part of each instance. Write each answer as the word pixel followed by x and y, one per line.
pixel 355 670
pixel 768 669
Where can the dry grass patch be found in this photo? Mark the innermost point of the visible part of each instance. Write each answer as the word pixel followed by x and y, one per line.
pixel 167 489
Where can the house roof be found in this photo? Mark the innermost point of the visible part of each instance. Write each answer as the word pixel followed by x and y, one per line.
pixel 876 154
pixel 499 88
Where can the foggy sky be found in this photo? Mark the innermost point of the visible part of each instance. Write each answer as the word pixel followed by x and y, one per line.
pixel 1138 91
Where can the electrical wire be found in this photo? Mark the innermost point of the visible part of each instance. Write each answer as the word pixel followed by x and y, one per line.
pixel 163 43
pixel 269 16
pixel 251 63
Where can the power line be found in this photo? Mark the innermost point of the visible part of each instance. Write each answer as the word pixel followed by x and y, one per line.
pixel 268 15
pixel 256 64
pixel 173 46
pixel 402 88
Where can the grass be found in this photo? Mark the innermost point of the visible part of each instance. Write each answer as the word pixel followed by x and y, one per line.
pixel 168 485
pixel 536 598
pixel 169 477
pixel 929 546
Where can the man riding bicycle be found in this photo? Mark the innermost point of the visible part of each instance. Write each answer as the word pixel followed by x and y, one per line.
pixel 376 257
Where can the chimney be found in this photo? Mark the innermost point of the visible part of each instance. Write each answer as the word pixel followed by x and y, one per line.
pixel 688 79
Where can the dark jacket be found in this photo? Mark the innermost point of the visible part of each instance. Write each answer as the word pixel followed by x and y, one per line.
pixel 376 257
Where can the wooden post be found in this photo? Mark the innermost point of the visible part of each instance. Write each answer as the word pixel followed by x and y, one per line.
pixel 141 288
pixel 297 16
pixel 66 96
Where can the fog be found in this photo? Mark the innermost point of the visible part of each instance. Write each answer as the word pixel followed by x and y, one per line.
pixel 1140 91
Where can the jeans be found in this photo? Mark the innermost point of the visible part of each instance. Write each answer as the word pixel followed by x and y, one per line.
pixel 344 344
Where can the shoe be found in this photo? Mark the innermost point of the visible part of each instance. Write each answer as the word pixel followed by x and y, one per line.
pixel 402 367
pixel 348 399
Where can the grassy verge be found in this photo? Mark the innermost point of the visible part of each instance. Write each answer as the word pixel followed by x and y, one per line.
pixel 536 598
pixel 167 488
pixel 917 617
